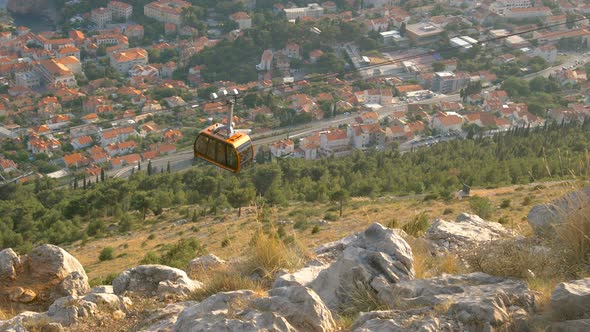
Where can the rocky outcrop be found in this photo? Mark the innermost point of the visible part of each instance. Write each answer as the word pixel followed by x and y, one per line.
pixel 302 277
pixel 229 311
pixel 376 258
pixel 301 306
pixel 471 302
pixel 71 309
pixel 24 322
pixel 163 319
pixel 155 280
pixel 36 280
pixel 466 232
pixel 205 263
pixel 579 325
pixel 27 6
pixel 544 218
pixel 571 300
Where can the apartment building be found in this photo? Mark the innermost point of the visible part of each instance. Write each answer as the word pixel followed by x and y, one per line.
pixel 53 72
pixel 166 11
pixel 312 10
pixel 125 59
pixel 120 9
pixel 101 16
pixel 500 7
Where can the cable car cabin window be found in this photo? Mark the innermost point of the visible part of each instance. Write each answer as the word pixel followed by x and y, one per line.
pixel 211 148
pixel 232 157
pixel 221 149
pixel 245 151
pixel 201 144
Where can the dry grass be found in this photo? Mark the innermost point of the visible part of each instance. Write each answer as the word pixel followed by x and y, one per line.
pixel 224 280
pixel 574 235
pixel 427 266
pixel 360 297
pixel 268 254
pixel 544 287
pixel 358 214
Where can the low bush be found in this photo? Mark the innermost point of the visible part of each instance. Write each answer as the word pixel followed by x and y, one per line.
pixel 481 206
pixel 224 281
pixel 177 255
pixel 107 254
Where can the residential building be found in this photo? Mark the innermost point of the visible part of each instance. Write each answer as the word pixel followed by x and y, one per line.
pixel 124 60
pixel 547 52
pixel 282 148
pixel 501 6
pixel 554 37
pixel 120 10
pixel 265 60
pixel 447 82
pixel 292 50
pixel 7 165
pixel 101 16
pixel 55 73
pixel 527 13
pixel 166 11
pixel 75 160
pixel 116 135
pixel 134 31
pixel 81 142
pixel 423 33
pixel 27 79
pixel 243 20
pixel 72 63
pixel 312 10
pixel 447 122
pixel 334 143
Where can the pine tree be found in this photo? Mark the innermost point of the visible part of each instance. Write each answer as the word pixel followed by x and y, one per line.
pixel 84 183
pixel 149 168
pixel 168 167
pixel 102 174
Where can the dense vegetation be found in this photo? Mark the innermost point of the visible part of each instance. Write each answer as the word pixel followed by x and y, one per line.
pixel 45 212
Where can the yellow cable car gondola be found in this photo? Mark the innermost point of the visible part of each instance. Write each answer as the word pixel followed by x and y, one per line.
pixel 222 146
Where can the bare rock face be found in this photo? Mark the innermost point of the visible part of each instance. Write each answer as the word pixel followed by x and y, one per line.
pixel 155 280
pixel 302 277
pixel 27 6
pixel 204 263
pixel 164 319
pixel 571 300
pixel 470 302
pixel 376 258
pixel 229 311
pixel 301 306
pixel 466 232
pixel 34 281
pixel 70 309
pixel 543 218
pixel 24 322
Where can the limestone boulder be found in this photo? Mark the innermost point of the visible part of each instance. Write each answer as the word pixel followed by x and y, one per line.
pixel 155 280
pixel 301 306
pixel 469 302
pixel 465 233
pixel 229 311
pixel 376 258
pixel 71 309
pixel 571 300
pixel 24 322
pixel 302 277
pixel 205 263
pixel 163 319
pixel 543 218
pixel 35 280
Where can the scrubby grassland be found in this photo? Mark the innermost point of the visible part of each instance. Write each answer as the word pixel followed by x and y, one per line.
pixel 228 236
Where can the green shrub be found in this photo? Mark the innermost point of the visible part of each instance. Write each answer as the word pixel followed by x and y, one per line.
pixel 448 211
pixel 504 220
pixel 417 226
pixel 103 280
pixel 505 204
pixel 177 255
pixel 151 237
pixel 225 242
pixel 301 225
pixel 527 201
pixel 481 206
pixel 331 216
pixel 107 254
pixel 430 197
pixel 315 229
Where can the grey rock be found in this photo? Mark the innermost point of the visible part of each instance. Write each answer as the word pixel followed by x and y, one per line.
pixel 229 311
pixel 39 278
pixel 466 232
pixel 571 300
pixel 164 319
pixel 580 325
pixel 155 280
pixel 302 277
pixel 301 306
pixel 204 263
pixel 376 253
pixel 544 218
pixel 24 321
